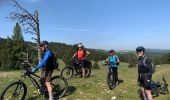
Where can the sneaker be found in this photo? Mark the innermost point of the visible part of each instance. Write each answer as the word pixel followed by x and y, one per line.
pixel 79 76
pixel 75 74
pixel 113 85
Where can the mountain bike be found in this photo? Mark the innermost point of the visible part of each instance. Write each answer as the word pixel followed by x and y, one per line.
pixel 110 79
pixel 76 69
pixel 18 89
pixel 157 88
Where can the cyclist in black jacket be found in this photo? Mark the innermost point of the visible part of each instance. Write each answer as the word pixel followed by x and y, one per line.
pixel 144 73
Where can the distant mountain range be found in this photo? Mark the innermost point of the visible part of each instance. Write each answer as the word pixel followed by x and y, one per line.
pixel 158 50
pixel 163 51
pixel 152 53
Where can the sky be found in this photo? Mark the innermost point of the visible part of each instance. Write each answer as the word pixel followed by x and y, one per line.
pixel 99 24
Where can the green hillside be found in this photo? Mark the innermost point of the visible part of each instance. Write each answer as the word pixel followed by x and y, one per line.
pixel 95 88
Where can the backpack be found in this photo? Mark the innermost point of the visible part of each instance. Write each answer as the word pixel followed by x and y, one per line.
pixel 116 57
pixel 55 61
pixel 153 66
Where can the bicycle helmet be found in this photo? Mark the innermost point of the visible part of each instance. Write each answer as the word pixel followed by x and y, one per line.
pixel 80 45
pixel 140 48
pixel 42 43
pixel 111 51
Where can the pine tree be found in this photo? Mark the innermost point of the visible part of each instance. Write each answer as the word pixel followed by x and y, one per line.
pixel 6 59
pixel 17 34
pixel 18 45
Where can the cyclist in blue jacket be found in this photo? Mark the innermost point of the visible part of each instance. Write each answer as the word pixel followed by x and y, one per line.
pixel 113 59
pixel 47 65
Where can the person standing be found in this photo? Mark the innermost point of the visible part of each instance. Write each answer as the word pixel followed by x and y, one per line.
pixel 113 60
pixel 82 55
pixel 144 73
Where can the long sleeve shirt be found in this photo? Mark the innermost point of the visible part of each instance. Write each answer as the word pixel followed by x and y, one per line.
pixel 43 62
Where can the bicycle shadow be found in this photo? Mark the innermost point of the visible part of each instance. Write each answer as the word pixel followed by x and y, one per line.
pixel 71 90
pixel 120 81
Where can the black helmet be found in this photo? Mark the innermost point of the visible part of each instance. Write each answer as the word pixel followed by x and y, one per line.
pixel 140 48
pixel 43 43
pixel 111 51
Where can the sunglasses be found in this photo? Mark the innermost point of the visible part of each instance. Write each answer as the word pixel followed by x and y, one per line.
pixel 138 51
pixel 41 45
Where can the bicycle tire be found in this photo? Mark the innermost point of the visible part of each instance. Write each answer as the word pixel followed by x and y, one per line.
pixel 164 89
pixel 110 82
pixel 59 90
pixel 87 71
pixel 67 72
pixel 139 92
pixel 18 83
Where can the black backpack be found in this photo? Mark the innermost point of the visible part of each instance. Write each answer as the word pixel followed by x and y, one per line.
pixel 153 66
pixel 55 63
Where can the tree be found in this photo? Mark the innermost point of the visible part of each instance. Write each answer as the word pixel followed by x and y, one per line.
pixel 18 45
pixel 29 21
pixel 157 61
pixel 168 58
pixel 95 66
pixel 132 59
pixel 6 59
pixel 17 34
pixel 165 59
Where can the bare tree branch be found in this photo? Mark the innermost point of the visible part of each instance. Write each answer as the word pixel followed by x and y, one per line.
pixel 24 10
pixel 30 22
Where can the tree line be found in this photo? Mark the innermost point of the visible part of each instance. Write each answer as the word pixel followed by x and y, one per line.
pixel 11 56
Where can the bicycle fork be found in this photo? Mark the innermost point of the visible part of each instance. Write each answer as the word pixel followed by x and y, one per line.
pixel 18 88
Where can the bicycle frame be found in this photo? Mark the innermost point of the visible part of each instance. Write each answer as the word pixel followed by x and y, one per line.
pixel 109 67
pixel 33 81
pixel 76 65
pixel 29 74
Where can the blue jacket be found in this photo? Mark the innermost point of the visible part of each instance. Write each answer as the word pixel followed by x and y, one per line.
pixel 47 61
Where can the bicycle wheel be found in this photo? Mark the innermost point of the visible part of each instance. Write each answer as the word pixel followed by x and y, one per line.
pixel 139 92
pixel 164 89
pixel 14 91
pixel 87 71
pixel 110 82
pixel 67 72
pixel 155 91
pixel 60 86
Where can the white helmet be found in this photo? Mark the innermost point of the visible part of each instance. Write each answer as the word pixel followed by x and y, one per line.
pixel 80 45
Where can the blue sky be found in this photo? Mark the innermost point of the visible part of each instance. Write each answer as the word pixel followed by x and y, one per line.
pixel 101 24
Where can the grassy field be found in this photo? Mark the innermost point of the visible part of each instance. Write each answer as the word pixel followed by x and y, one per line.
pixel 94 87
